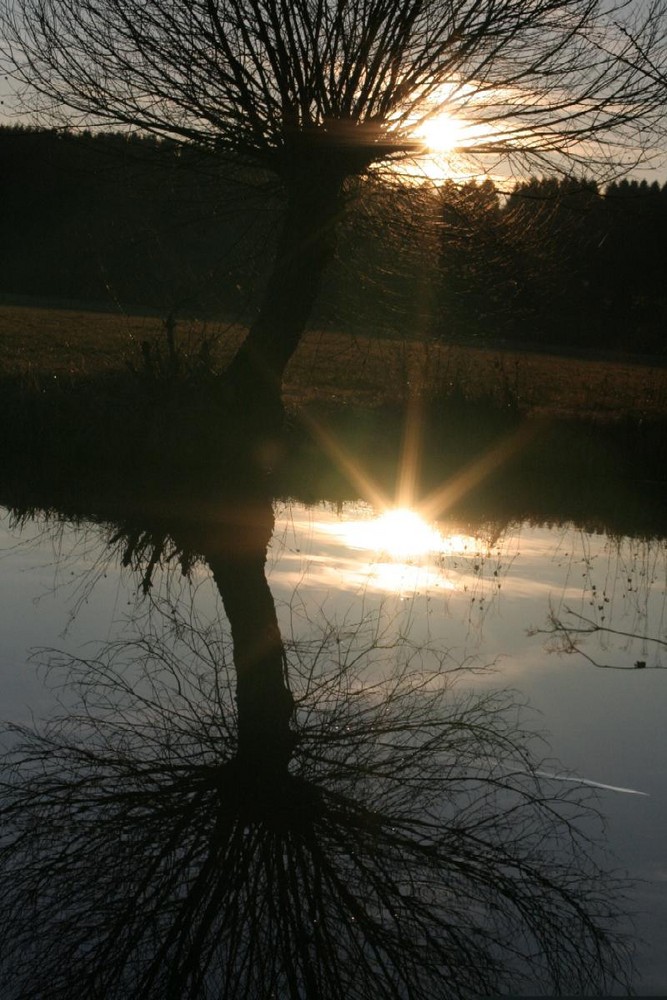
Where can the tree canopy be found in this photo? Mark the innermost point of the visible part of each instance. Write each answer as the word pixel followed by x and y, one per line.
pixel 537 79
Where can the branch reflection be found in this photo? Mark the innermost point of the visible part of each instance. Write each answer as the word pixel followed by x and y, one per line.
pixel 234 815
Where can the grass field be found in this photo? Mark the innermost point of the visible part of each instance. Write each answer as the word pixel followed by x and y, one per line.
pixel 36 344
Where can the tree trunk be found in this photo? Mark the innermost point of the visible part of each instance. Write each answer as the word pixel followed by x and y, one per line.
pixel 305 247
pixel 237 557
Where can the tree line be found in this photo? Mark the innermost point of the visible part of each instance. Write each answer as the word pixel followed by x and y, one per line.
pixel 557 261
pixel 123 220
pixel 120 220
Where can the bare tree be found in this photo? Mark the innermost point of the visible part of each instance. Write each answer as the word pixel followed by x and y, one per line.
pixel 219 810
pixel 568 630
pixel 318 91
pixel 410 847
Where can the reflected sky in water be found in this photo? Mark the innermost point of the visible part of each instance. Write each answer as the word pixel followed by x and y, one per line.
pixel 481 593
pixel 480 588
pixel 485 594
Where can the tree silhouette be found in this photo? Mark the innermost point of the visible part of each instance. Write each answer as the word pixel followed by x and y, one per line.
pixel 406 845
pixel 319 91
pixel 559 261
pixel 487 263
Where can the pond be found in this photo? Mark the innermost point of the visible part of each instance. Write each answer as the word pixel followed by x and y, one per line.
pixel 423 823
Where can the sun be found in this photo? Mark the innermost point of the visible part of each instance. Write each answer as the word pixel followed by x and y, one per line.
pixel 448 147
pixel 442 133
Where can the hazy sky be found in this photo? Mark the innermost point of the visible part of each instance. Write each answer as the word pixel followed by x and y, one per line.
pixel 11 113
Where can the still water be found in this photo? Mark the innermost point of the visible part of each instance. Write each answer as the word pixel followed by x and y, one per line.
pixel 566 619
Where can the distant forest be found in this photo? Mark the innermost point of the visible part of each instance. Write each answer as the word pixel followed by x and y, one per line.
pixel 558 261
pixel 140 224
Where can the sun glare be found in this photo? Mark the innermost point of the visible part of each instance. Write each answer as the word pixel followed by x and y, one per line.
pixel 398 533
pixel 448 147
pixel 403 532
pixel 441 134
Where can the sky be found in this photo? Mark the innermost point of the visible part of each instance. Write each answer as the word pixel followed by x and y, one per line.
pixel 442 135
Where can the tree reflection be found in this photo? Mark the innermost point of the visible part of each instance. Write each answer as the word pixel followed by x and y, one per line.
pixel 330 817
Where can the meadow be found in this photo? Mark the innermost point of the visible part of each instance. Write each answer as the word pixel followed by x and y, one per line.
pixel 40 345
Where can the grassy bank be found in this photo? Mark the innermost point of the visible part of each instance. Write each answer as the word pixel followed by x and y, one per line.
pixel 45 345
pixel 82 402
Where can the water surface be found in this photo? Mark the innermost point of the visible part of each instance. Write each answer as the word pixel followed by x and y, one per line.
pixel 566 617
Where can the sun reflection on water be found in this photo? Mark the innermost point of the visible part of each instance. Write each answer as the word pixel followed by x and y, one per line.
pixel 399 533
pixel 402 551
